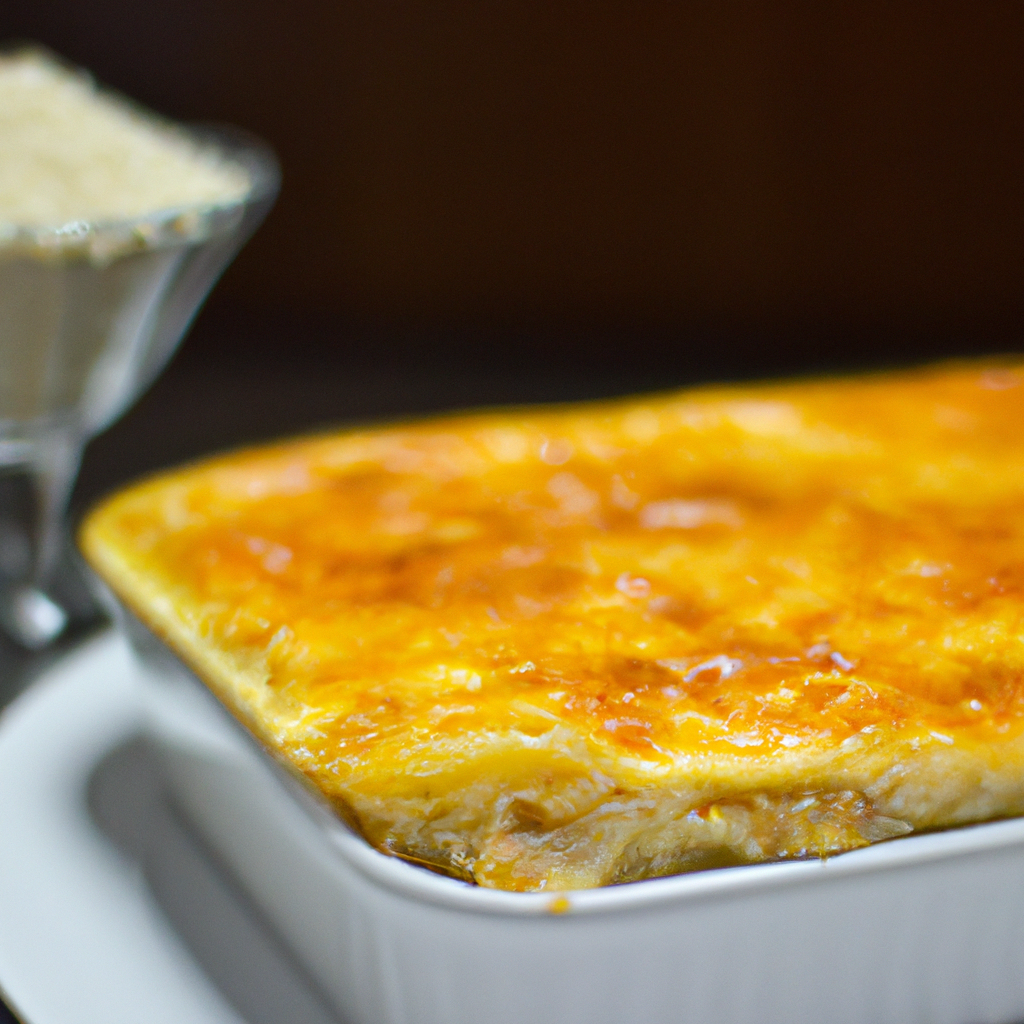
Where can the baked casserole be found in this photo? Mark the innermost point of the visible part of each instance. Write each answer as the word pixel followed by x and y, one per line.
pixel 567 648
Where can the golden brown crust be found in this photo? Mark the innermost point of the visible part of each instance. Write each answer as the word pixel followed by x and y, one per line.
pixel 572 647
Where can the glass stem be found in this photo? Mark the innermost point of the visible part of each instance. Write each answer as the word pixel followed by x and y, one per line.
pixel 31 542
pixel 55 471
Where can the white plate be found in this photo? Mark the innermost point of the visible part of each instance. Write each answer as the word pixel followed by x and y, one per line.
pixel 109 911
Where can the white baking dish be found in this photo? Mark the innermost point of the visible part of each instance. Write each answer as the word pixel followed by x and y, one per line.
pixel 929 928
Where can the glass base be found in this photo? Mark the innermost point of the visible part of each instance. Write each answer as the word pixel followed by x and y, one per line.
pixel 31 618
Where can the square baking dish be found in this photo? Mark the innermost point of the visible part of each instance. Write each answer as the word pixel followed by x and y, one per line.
pixel 925 928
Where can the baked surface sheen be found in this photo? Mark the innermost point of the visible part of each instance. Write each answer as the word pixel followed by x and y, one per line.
pixel 566 648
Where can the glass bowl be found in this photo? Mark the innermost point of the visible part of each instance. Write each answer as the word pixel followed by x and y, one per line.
pixel 89 315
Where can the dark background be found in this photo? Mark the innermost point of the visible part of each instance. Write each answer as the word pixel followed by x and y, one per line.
pixel 497 202
pixel 487 201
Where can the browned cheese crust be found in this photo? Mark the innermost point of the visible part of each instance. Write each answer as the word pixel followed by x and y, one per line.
pixel 566 648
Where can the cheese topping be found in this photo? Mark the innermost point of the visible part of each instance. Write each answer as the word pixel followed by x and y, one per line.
pixel 573 647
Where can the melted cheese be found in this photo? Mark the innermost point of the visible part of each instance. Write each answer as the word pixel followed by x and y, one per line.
pixel 570 647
